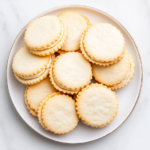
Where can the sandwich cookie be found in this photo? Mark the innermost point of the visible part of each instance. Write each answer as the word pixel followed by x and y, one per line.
pixel 57 113
pixel 127 79
pixel 96 105
pixel 117 75
pixel 102 44
pixel 34 94
pixel 76 23
pixel 30 69
pixel 70 72
pixel 45 35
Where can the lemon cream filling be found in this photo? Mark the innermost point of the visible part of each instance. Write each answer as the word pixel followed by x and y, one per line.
pixel 63 86
pixel 37 75
pixel 52 45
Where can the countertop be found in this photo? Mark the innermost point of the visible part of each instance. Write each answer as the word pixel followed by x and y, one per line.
pixel 134 134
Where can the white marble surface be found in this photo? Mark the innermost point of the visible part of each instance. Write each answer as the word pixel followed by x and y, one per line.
pixel 134 134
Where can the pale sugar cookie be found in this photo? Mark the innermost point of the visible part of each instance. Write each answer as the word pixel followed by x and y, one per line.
pixel 45 35
pixel 102 44
pixel 57 113
pixel 30 69
pixel 76 24
pixel 117 75
pixel 96 105
pixel 70 72
pixel 34 94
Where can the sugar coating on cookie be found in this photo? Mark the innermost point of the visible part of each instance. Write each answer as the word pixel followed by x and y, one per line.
pixel 72 70
pixel 103 42
pixel 36 93
pixel 58 114
pixel 76 24
pixel 43 32
pixel 96 105
pixel 113 74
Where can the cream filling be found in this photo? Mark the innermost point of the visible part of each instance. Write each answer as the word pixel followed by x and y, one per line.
pixel 37 75
pixel 63 86
pixel 51 44
pixel 125 78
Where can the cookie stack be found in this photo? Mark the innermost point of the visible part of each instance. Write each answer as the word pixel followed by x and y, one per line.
pixel 61 56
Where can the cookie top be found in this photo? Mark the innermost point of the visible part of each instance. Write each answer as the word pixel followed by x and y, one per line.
pixel 57 113
pixel 112 74
pixel 96 105
pixel 37 92
pixel 55 46
pixel 26 64
pixel 103 42
pixel 76 24
pixel 43 32
pixel 71 70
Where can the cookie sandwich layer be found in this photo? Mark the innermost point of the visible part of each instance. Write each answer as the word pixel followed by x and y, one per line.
pixel 70 72
pixel 57 113
pixel 114 76
pixel 97 105
pixel 102 44
pixel 28 68
pixel 45 35
pixel 76 24
pixel 34 94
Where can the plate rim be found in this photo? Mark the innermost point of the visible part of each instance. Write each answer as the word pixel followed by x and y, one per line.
pixel 102 12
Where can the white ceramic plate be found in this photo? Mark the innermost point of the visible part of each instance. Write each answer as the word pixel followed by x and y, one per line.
pixel 128 96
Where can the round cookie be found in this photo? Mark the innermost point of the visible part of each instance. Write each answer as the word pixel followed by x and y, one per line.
pixel 96 105
pixel 30 69
pixel 114 76
pixel 102 44
pixel 70 72
pixel 34 94
pixel 57 113
pixel 76 24
pixel 45 35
